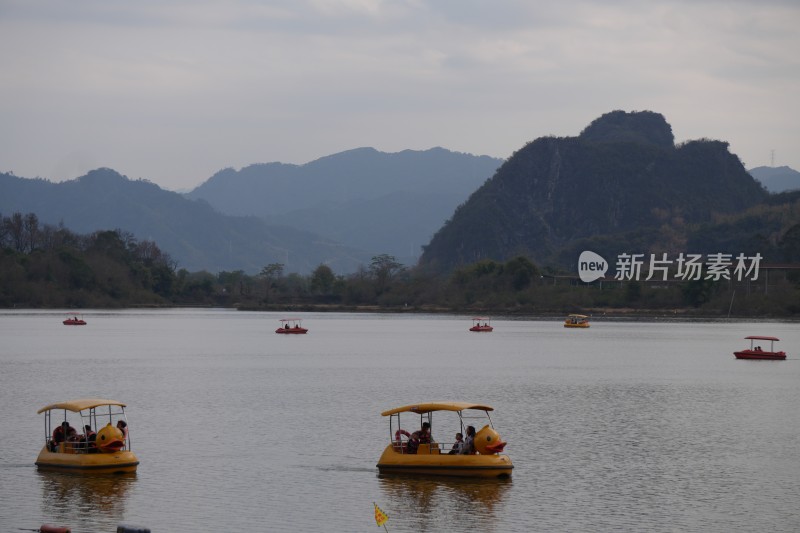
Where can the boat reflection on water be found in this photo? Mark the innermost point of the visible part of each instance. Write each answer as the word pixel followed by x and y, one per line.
pixel 79 499
pixel 471 504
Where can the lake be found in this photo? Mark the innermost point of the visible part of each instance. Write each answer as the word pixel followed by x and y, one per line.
pixel 628 425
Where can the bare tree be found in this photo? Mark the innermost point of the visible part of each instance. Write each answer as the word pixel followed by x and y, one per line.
pixel 270 274
pixel 30 226
pixel 3 231
pixel 272 271
pixel 15 227
pixel 383 268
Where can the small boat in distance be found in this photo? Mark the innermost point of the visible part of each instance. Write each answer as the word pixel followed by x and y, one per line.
pixel 74 320
pixel 755 352
pixel 291 325
pixel 103 445
pixel 478 326
pixel 419 453
pixel 576 321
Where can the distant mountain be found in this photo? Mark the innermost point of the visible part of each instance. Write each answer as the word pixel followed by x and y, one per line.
pixel 374 201
pixel 620 186
pixel 777 179
pixel 191 232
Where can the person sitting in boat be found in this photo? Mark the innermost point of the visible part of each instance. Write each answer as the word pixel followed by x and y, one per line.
pixel 468 447
pixel 413 443
pixel 63 433
pixel 74 441
pixel 423 436
pixel 90 438
pixel 67 432
pixel 58 436
pixel 123 427
pixel 458 445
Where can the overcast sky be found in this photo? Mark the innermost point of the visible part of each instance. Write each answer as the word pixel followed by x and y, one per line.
pixel 175 90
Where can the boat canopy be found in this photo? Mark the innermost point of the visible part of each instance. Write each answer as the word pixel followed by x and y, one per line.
pixel 77 406
pixel 422 408
pixel 290 319
pixel 579 316
pixel 760 338
pixel 481 318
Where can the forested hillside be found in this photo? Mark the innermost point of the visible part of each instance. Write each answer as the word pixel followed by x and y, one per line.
pixel 195 235
pixel 50 266
pixel 620 186
pixel 341 209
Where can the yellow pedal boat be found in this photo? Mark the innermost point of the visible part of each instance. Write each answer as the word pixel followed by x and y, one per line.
pixel 418 453
pixel 103 444
pixel 576 321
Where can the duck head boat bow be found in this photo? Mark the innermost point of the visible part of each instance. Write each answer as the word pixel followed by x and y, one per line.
pixel 418 453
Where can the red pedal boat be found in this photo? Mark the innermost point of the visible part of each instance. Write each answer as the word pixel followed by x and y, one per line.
pixel 74 320
pixel 478 326
pixel 756 352
pixel 291 325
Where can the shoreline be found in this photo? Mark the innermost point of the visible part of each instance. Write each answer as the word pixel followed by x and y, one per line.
pixel 595 314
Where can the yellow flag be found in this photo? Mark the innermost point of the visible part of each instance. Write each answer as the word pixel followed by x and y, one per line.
pixel 380 516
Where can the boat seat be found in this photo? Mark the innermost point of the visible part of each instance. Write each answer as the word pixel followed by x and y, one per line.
pixel 428 449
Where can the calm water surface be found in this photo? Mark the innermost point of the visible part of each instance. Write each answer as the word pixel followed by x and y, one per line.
pixel 627 426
